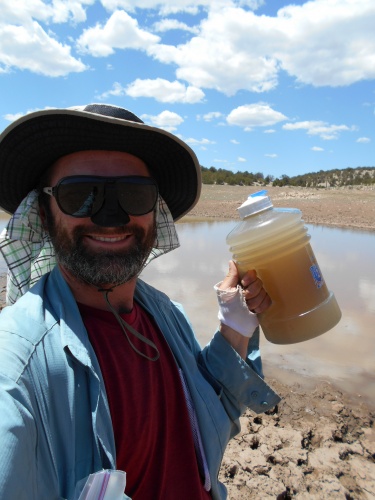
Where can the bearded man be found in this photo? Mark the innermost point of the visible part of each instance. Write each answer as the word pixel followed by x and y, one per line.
pixel 98 370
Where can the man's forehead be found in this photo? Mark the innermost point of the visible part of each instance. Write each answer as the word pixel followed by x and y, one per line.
pixel 98 162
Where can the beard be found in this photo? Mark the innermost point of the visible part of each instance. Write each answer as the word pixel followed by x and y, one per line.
pixel 100 268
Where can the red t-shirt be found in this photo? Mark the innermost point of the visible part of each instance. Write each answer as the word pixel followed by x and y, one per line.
pixel 152 430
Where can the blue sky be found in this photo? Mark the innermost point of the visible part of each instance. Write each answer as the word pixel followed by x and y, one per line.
pixel 256 85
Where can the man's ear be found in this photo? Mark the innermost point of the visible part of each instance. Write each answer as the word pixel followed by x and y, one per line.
pixel 43 217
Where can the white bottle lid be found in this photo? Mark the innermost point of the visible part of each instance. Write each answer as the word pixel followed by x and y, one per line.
pixel 256 202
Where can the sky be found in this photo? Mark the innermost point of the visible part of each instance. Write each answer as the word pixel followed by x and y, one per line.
pixel 264 86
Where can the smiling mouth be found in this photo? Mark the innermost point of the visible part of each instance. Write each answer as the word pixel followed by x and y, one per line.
pixel 109 239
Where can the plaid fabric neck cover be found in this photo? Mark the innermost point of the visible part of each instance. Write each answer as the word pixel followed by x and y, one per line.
pixel 29 253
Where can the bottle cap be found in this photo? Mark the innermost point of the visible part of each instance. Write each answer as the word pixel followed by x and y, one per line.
pixel 256 202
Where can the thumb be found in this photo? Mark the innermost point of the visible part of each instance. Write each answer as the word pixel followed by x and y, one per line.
pixel 231 279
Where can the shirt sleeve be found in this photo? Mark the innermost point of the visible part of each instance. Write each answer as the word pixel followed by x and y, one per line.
pixel 241 380
pixel 238 382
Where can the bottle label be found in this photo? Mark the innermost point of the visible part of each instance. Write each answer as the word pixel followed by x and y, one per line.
pixel 317 275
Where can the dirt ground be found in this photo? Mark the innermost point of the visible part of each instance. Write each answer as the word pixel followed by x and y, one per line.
pixel 353 208
pixel 318 443
pixel 313 445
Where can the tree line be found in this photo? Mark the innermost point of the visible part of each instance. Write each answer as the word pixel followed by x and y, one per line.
pixel 322 179
pixel 214 175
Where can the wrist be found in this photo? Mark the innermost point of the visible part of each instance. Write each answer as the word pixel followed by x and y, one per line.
pixel 236 340
pixel 233 311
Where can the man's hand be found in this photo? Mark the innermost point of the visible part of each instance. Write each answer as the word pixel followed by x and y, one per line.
pixel 256 297
pixel 236 326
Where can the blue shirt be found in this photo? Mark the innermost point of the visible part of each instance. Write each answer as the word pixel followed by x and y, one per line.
pixel 55 424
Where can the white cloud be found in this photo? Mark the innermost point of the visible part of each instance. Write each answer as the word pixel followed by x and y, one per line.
pixel 29 47
pixel 321 42
pixel 240 159
pixel 166 8
pixel 254 115
pixel 216 160
pixel 173 24
pixel 57 11
pixel 169 8
pixel 328 42
pixel 73 10
pixel 159 89
pixel 117 91
pixel 364 140
pixel 167 120
pixel 225 55
pixel 367 293
pixel 322 129
pixel 316 148
pixel 24 44
pixel 271 155
pixel 213 115
pixel 252 4
pixel 26 11
pixel 164 91
pixel 234 141
pixel 269 131
pixel 199 142
pixel 120 32
pixel 11 117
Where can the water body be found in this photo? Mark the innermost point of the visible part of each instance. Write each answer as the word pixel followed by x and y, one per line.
pixel 345 355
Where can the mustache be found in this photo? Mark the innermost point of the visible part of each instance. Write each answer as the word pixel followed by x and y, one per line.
pixel 81 231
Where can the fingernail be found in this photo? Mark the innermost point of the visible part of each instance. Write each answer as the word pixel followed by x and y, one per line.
pixel 245 282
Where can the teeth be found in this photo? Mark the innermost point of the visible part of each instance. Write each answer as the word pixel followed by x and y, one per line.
pixel 102 238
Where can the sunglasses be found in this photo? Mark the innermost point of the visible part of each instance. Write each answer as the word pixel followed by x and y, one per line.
pixel 84 195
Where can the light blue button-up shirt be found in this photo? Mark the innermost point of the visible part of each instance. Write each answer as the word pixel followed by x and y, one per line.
pixel 55 423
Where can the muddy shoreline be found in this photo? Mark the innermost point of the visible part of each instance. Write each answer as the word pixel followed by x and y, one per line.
pixel 319 442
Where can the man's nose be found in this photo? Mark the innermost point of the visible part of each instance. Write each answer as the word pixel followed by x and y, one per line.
pixel 110 214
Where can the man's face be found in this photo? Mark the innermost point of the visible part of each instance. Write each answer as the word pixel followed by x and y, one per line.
pixel 99 255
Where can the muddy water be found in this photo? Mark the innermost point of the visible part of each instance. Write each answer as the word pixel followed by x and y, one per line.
pixel 345 355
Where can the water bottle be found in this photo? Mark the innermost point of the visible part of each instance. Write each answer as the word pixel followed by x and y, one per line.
pixel 275 242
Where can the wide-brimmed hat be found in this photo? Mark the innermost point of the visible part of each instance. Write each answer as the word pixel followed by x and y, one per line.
pixel 33 143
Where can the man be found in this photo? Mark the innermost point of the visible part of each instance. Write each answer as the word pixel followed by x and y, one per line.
pixel 98 370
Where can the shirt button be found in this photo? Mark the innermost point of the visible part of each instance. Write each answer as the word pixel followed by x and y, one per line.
pixel 254 394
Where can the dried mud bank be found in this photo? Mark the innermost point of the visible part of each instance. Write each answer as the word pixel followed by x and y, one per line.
pixel 313 445
pixel 353 208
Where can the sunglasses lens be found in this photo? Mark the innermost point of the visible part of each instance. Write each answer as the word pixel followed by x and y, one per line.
pixel 84 196
pixel 79 199
pixel 138 197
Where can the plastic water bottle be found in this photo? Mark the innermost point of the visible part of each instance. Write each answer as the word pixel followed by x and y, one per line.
pixel 275 242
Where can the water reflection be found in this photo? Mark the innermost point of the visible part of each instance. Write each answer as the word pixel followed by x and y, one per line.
pixel 346 354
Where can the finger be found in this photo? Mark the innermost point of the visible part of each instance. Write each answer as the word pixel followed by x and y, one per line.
pixel 248 278
pixel 252 289
pixel 259 303
pixel 255 295
pixel 232 278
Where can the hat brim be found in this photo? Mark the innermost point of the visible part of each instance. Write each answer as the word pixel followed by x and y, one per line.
pixel 33 143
